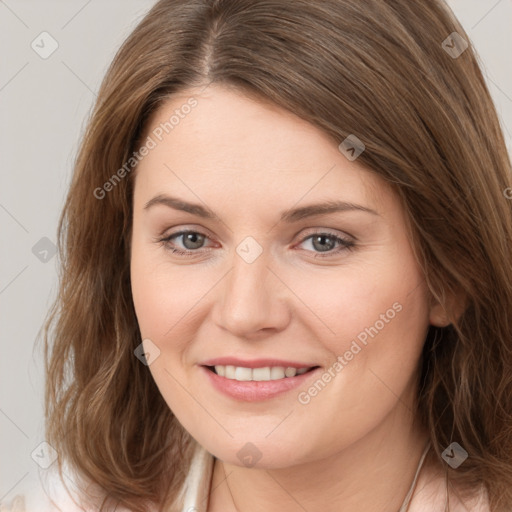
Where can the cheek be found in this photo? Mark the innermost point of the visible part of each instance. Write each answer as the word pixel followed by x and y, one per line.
pixel 157 295
pixel 366 302
pixel 377 321
pixel 380 327
pixel 168 298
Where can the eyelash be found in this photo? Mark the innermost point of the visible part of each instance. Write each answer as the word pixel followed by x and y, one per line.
pixel 345 244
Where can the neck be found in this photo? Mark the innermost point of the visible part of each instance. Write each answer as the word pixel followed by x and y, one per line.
pixel 373 474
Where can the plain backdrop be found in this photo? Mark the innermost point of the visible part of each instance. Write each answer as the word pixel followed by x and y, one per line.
pixel 44 103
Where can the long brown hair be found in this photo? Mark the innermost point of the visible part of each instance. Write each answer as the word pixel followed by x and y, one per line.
pixel 383 70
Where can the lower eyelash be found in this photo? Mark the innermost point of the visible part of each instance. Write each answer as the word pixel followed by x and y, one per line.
pixel 182 252
pixel 344 244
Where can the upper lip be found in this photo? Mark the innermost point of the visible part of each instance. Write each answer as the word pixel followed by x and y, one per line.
pixel 255 363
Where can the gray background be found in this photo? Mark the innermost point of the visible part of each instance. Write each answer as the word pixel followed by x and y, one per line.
pixel 44 104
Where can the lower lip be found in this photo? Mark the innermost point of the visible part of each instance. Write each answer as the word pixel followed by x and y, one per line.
pixel 253 391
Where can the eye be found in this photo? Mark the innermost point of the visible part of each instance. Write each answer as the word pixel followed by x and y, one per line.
pixel 326 242
pixel 190 240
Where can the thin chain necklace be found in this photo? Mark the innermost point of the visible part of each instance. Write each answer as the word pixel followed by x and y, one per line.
pixel 407 499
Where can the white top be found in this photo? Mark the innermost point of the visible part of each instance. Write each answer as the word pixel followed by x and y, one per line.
pixel 194 494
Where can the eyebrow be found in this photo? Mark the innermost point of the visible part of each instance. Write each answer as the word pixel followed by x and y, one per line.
pixel 289 216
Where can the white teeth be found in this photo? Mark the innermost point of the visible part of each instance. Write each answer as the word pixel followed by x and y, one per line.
pixel 243 373
pixel 261 373
pixel 290 372
pixel 276 372
pixel 266 373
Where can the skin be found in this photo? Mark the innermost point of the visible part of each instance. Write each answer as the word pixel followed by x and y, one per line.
pixel 356 443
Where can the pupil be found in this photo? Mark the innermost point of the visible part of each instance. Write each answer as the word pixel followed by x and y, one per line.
pixel 195 238
pixel 322 247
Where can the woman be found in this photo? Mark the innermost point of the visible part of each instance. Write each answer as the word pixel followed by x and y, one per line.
pixel 286 267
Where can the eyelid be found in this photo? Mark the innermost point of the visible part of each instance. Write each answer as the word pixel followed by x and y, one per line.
pixel 329 231
pixel 344 242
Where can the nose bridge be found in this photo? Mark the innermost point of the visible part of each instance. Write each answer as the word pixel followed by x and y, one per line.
pixel 251 299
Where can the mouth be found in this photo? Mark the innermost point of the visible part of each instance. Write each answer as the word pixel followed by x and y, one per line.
pixel 262 374
pixel 257 384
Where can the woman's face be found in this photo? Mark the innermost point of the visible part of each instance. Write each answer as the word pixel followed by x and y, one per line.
pixel 269 281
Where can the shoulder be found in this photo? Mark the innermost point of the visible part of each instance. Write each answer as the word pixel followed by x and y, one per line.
pixel 16 504
pixel 479 502
pixel 432 493
pixel 48 493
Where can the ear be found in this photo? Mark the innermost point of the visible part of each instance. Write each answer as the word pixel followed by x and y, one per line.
pixel 442 316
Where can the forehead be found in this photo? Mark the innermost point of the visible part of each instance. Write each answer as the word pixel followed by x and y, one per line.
pixel 219 139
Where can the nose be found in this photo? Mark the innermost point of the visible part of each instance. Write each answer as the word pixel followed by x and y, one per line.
pixel 253 300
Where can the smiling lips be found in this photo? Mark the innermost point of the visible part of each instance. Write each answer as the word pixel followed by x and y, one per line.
pixel 264 373
pixel 257 379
